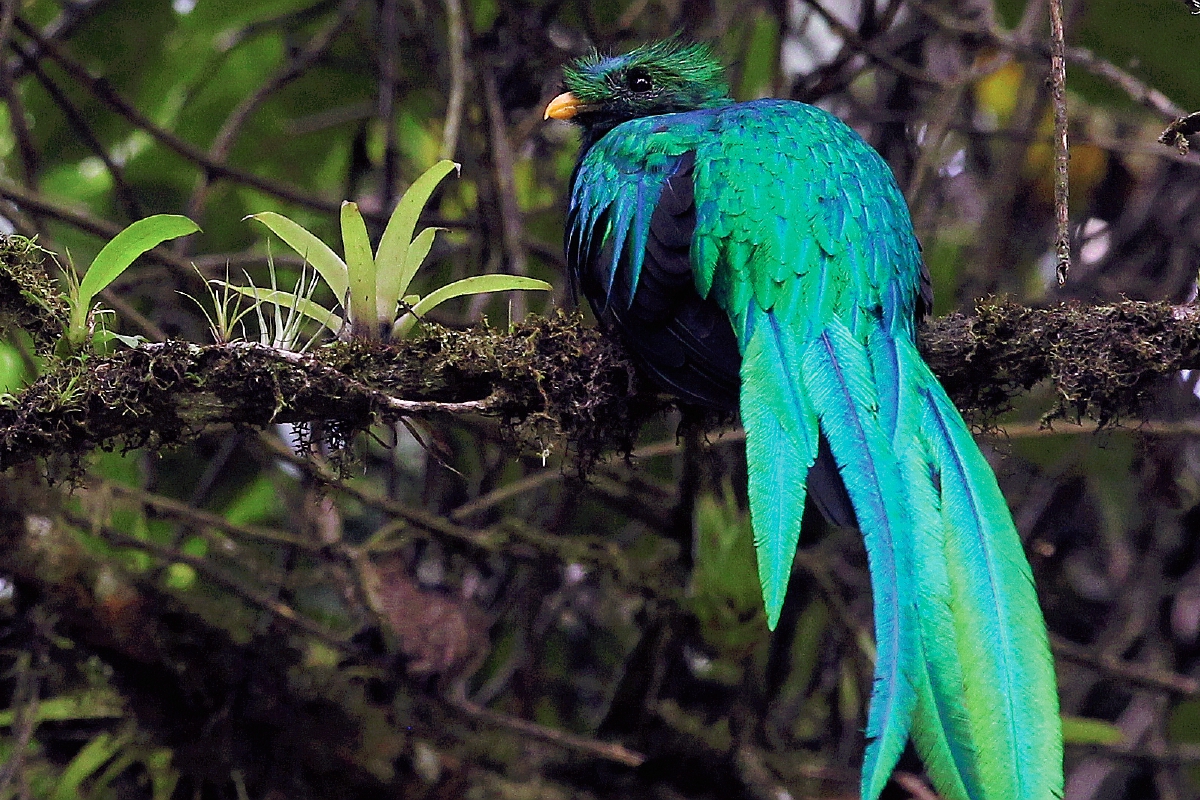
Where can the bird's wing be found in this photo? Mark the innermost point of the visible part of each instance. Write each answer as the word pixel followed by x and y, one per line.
pixel 629 237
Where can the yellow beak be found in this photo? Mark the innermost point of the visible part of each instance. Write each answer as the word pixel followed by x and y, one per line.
pixel 565 106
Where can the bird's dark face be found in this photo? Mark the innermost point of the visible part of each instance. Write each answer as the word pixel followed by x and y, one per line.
pixel 661 78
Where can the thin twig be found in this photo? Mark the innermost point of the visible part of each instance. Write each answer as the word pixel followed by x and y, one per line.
pixel 1058 83
pixel 1177 132
pixel 1139 92
pixel 204 566
pixel 1139 674
pixel 389 43
pixel 914 785
pixel 872 50
pixel 84 127
pixel 25 700
pixel 456 37
pixel 165 506
pixel 17 116
pixel 105 92
pixel 35 203
pixel 506 193
pixel 127 312
pixel 1180 754
pixel 508 491
pixel 618 754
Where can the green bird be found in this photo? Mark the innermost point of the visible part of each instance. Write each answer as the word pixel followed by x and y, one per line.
pixel 759 256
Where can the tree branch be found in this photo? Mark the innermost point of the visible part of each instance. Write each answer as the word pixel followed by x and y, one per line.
pixel 545 379
pixel 556 377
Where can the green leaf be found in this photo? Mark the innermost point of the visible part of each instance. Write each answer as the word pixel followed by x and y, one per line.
pixel 87 762
pixel 360 266
pixel 326 262
pixel 116 257
pixel 394 268
pixel 1084 730
pixel 126 246
pixel 106 338
pixel 94 704
pixel 417 251
pixel 477 284
pixel 255 502
pixel 305 306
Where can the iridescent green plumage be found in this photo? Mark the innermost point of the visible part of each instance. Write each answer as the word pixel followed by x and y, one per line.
pixel 762 251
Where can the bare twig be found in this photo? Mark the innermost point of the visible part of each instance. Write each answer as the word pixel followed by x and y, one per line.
pixel 17 115
pixel 872 50
pixel 25 700
pixel 1139 674
pixel 456 37
pixel 1058 83
pixel 204 566
pixel 1139 92
pixel 510 210
pixel 83 127
pixel 165 506
pixel 914 785
pixel 616 753
pixel 104 91
pixel 295 67
pixel 30 201
pixel 389 43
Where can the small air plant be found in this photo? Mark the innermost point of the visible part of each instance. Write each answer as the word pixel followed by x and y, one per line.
pixel 112 260
pixel 373 287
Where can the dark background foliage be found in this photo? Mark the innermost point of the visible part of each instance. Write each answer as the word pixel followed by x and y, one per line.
pixel 439 611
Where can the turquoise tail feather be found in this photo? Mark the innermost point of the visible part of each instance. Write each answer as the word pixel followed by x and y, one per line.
pixel 837 373
pixel 1008 687
pixel 940 729
pixel 781 446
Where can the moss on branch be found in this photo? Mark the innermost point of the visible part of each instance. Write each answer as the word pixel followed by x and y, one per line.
pixel 545 379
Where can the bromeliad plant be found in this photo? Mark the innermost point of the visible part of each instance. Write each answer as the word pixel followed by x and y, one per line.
pixel 373 287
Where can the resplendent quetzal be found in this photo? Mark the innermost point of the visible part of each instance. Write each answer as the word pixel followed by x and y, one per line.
pixel 760 256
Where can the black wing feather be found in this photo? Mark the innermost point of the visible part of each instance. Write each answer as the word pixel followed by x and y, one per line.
pixel 683 341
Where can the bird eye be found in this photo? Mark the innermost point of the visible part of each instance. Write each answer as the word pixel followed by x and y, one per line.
pixel 638 81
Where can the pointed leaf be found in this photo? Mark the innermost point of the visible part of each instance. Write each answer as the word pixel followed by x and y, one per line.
pixel 360 269
pixel 116 256
pixel 413 259
pixel 477 284
pixel 308 308
pixel 391 262
pixel 326 262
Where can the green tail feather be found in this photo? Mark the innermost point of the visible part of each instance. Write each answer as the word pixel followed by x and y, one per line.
pixel 941 731
pixel 781 445
pixel 837 372
pixel 1000 670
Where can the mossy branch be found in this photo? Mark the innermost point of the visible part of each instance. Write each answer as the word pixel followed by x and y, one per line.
pixel 545 379
pixel 555 377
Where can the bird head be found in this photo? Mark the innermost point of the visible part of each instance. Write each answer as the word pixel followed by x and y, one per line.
pixel 660 78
